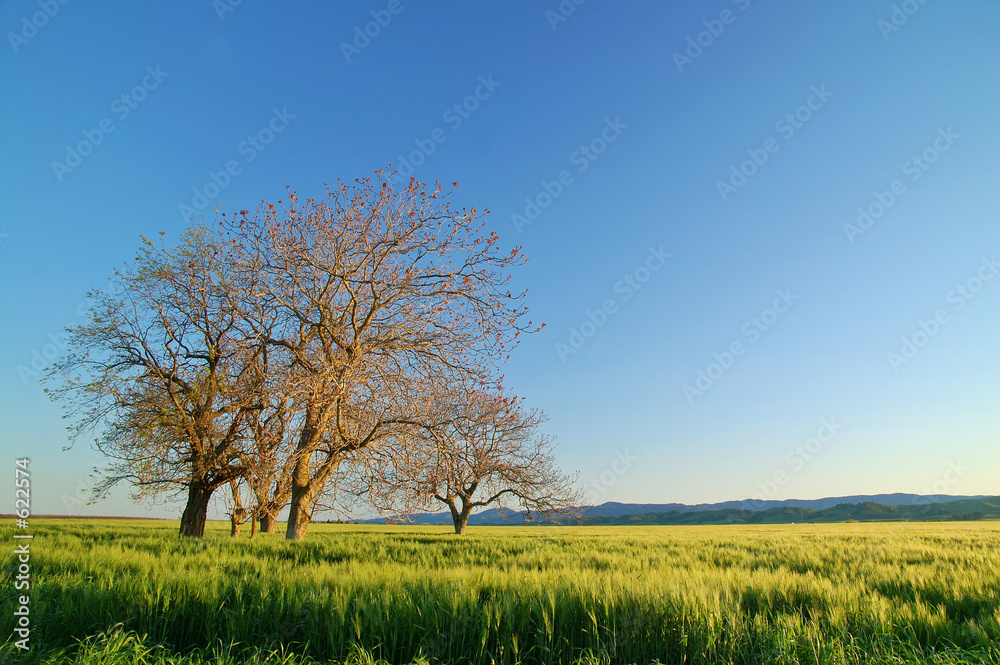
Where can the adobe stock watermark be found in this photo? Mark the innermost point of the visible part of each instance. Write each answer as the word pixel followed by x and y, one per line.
pixel 951 477
pixel 901 13
pixel 42 357
pixel 223 7
pixel 958 298
pixel 363 36
pixel 599 485
pixel 752 329
pixel 287 630
pixel 786 126
pixel 563 11
pixel 454 116
pixel 796 460
pixel 248 149
pixel 441 645
pixel 79 497
pixel 581 158
pixel 914 167
pixel 122 106
pixel 31 25
pixel 626 287
pixel 698 43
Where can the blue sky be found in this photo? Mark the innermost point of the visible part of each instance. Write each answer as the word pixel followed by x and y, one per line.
pixel 645 128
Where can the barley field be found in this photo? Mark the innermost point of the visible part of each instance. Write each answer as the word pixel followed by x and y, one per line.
pixel 110 592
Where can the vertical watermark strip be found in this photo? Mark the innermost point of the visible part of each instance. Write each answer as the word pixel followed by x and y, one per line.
pixel 22 550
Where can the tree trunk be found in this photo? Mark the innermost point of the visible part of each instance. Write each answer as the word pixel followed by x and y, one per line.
pixel 196 511
pixel 298 514
pixel 268 523
pixel 253 528
pixel 460 517
pixel 239 513
pixel 302 495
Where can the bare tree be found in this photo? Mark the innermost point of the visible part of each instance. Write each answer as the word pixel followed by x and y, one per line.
pixel 483 448
pixel 158 374
pixel 237 510
pixel 286 345
pixel 368 292
pixel 267 455
pixel 270 468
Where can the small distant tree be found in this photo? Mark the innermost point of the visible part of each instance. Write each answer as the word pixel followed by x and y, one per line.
pixel 267 455
pixel 485 450
pixel 238 511
pixel 269 476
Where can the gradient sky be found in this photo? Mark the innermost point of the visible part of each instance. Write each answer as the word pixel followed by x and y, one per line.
pixel 891 91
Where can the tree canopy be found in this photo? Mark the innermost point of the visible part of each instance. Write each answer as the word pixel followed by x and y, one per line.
pixel 280 351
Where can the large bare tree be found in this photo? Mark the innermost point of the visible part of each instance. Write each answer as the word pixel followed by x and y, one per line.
pixel 158 372
pixel 368 292
pixel 285 344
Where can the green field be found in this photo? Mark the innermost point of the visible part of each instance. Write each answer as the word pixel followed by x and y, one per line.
pixel 133 592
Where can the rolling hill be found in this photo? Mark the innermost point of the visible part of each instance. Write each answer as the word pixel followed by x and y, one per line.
pixel 892 506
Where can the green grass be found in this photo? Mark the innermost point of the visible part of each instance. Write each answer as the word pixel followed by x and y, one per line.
pixel 114 592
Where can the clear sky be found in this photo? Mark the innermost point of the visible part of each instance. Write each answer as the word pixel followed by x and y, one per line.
pixel 739 138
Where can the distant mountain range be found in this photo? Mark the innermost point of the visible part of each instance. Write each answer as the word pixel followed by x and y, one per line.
pixel 909 506
pixel 867 511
